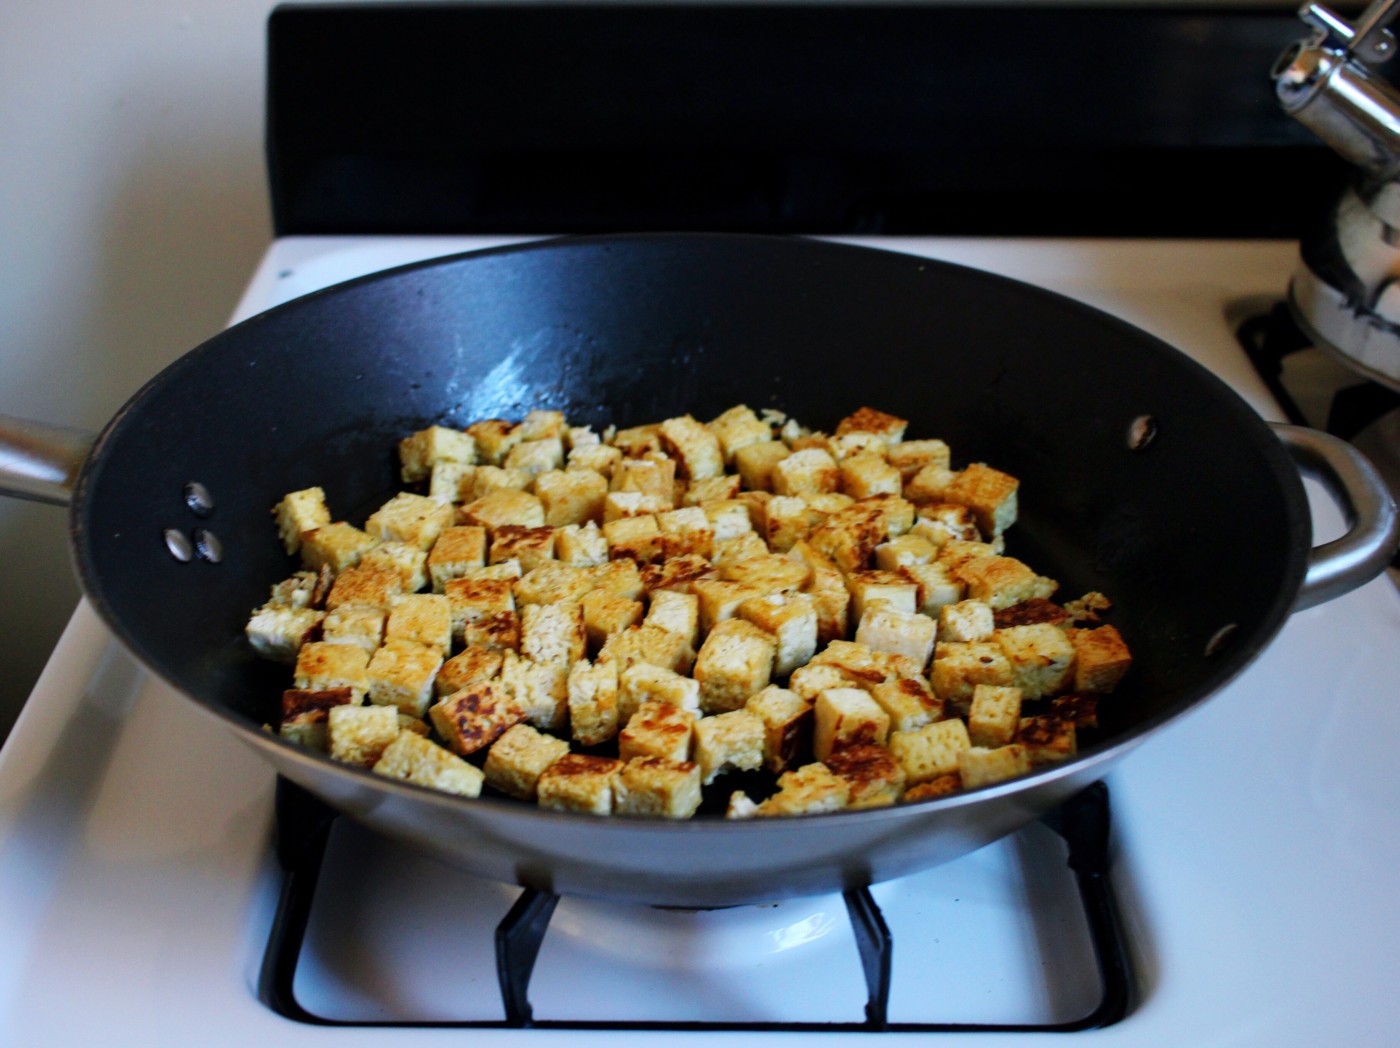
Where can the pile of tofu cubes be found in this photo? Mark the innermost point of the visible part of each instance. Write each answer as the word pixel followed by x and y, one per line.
pixel 612 622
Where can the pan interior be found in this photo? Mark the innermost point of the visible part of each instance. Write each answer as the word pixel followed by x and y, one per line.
pixel 1202 529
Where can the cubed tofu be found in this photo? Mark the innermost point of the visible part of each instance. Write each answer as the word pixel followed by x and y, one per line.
pixel 740 548
pixel 336 546
pixel 908 701
pixel 1027 612
pixel 755 463
pixel 600 458
pixel 650 644
pixel 360 734
pixel 791 619
pixel 724 488
pixel 655 786
pixel 910 456
pixel 734 662
pixel 531 547
pixel 883 629
pixel 809 681
pixel 677 612
pixel 935 788
pixel 903 551
pixel 321 666
pixel 366 588
pixel 739 428
pixel 415 519
pixel 450 481
pixel 828 591
pixel 1041 657
pixel 620 505
pixel 642 682
pixel 719 600
pixel 994 716
pixel 849 536
pixel 931 751
pixel 401 675
pixel 810 790
pixel 298 702
pixel 966 621
pixel 654 476
pixel 541 689
pixel 298 513
pixel 730 518
pixel 573 496
pixel 409 561
pixel 593 702
pixel 361 626
pixel 502 508
pixel 867 473
pixel 807 472
pixel 866 420
pixel 958 668
pixel 731 741
pixel 487 480
pixel 892 590
pixel 896 513
pixel 787 520
pixel 419 453
pixel 865 664
pixel 542 424
pixel 686 532
pixel 656 729
pixel 552 583
pixel 929 484
pixel 1080 710
pixel 494 438
pixel 875 778
pixel 412 758
pixel 621 578
pixel 457 550
pixel 605 614
pixel 278 632
pixel 581 546
pixel 937 587
pixel 303 589
pixel 423 618
pixel 1002 581
pixel 536 456
pixel 943 522
pixel 475 717
pixel 469 666
pixel 638 441
pixel 553 633
pixel 1047 739
pixel 1101 659
pixel 518 758
pixel 695 448
pixel 847 717
pixel 634 538
pixel 787 726
pixel 473 601
pixel 982 766
pixel 989 493
pixel 768 572
pixel 676 574
pixel 579 782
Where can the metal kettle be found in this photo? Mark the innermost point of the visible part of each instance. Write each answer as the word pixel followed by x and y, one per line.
pixel 1346 294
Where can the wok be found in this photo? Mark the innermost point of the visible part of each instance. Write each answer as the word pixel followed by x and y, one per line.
pixel 1201 535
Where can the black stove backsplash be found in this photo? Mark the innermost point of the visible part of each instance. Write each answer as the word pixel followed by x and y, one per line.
pixel 813 118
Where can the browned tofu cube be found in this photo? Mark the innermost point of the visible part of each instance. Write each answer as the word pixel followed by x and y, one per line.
pixel 888 428
pixel 787 726
pixel 553 583
pixel 518 758
pixel 931 751
pixel 654 476
pixel 1101 659
pixel 572 496
pixel 981 766
pixel 457 550
pixel 908 701
pixel 657 729
pixel 847 717
pixel 910 456
pixel 995 715
pixel 849 536
pixel 475 601
pixel 1047 739
pixel 401 675
pixel 634 538
pixel 423 618
pixel 580 783
pixel 989 493
pixel 958 668
pixel 412 758
pixel 336 546
pixel 1041 657
pixel 724 488
pixel 305 716
pixel 638 441
pixel 807 472
pixel 475 717
pixel 756 461
pixel 739 428
pixel 360 734
pixel 593 689
pixel 1080 710
pixel 944 522
pixel 531 547
pixel 864 664
pixel 875 778
pixel 935 788
pixel 768 572
pixel 686 532
pixel 642 682
pixel 365 587
pixel 1002 581
pixel 655 786
pixel 413 519
pixel 494 438
pixel 321 666
pixel 503 508
pixel 581 546
pixel 677 612
pixel 605 614
pixel 676 573
pixel 300 512
pixel 735 662
pixel 469 666
pixel 426 448
pixel 810 790
pixel 694 447
pixel 1030 612
pixel 731 741
pixel 621 578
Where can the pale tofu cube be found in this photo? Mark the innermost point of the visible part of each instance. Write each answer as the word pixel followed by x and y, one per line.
pixel 543 424
pixel 686 532
pixel 642 682
pixel 578 782
pixel 494 438
pixel 419 453
pixel 278 633
pixel 518 758
pixel 739 428
pixel 541 689
pixel 847 717
pixel 337 546
pixel 966 621
pixel 620 505
pixel 593 702
pixel 356 625
pixel 553 633
pixel 450 481
pixel 875 778
pixel 1101 659
pixel 791 619
pixel 401 675
pixel 898 633
pixel 412 758
pixel 906 550
pixel 677 612
pixel 787 520
pixel 731 741
pixel 298 513
pixel 487 480
pixel 980 766
pixel 730 518
pixel 1041 657
pixel 931 751
pixel 414 519
pixel 469 666
pixel 735 662
pixel 621 578
pixel 810 790
pixel 473 718
pixel 719 600
pixel 423 618
pixel 787 725
pixel 807 472
pixel 656 729
pixel 655 786
pixel 501 508
pixel 581 546
pixel 910 456
pixel 693 446
pixel 908 701
pixel 937 587
pixel 600 458
pixel 573 496
pixel 321 667
pixel 895 592
pixel 994 716
pixel 756 461
pixel 360 734
pixel 866 473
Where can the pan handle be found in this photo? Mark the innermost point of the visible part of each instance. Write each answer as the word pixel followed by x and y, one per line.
pixel 1373 524
pixel 40 462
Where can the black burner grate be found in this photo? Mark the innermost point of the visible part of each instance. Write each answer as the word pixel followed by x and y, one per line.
pixel 303 831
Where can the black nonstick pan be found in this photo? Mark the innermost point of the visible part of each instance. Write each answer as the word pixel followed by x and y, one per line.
pixel 1142 476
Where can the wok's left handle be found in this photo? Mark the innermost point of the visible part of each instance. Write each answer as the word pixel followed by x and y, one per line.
pixel 1373 524
pixel 40 462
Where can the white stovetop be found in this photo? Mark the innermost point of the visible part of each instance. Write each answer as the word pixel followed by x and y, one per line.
pixel 1257 840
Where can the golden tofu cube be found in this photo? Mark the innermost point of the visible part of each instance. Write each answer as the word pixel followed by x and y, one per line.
pixel 469 666
pixel 787 725
pixel 791 619
pixel 847 717
pixel 423 618
pixel 278 633
pixel 994 716
pixel 654 476
pixel 580 783
pixel 542 424
pixel 849 536
pixel 450 481
pixel 931 751
pixel 1041 657
pixel 755 463
pixel 573 496
pixel 651 644
pixel 620 505
pixel 475 717
pixel 298 513
pixel 531 547
pixel 909 702
pixel 357 625
pixel 942 786
pixel 487 480
pixel 518 758
pixel 642 682
pixel 409 561
pixel 739 428
pixel 735 662
pixel 1101 659
pixel 965 622
pixel 473 601
pixel 695 448
pixel 888 428
pixel 401 675
pixel 896 633
pixel 875 778
pixel 553 633
pixel 541 689
pixel 552 582
pixel 600 458
pixel 655 786
pixel 767 572
pixel 593 691
pixel 634 538
pixel 809 681
pixel 807 472
pixel 656 729
pixel 719 600
pixel 494 438
pixel 1047 739
pixel 866 473
pixel 457 550
pixel 502 508
pixel 896 592
pixel 337 546
pixel 581 546
pixel 321 666
pixel 676 574
pixel 686 532
pixel 621 578
pixel 638 441
pixel 1002 581
pixel 731 741
pixel 419 453
pixel 810 790
pixel 943 522
pixel 536 456
pixel 937 587
pixel 365 587
pixel 982 766
pixel 360 734
pixel 910 456
pixel 958 668
pixel 412 758
pixel 677 612
pixel 989 493
pixel 605 614
pixel 415 519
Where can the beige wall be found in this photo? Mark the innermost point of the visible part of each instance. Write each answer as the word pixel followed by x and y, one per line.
pixel 133 207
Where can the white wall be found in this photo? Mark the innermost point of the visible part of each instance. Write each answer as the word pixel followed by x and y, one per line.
pixel 133 206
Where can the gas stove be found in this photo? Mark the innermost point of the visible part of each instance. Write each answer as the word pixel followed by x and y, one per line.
pixel 1250 860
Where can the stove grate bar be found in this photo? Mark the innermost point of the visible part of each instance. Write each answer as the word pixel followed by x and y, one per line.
pixel 303 832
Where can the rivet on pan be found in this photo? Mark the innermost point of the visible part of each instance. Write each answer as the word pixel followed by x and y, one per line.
pixel 198 499
pixel 1220 639
pixel 1142 431
pixel 179 545
pixel 208 546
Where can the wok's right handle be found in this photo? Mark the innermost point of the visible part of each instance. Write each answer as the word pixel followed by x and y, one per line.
pixel 39 461
pixel 1373 524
